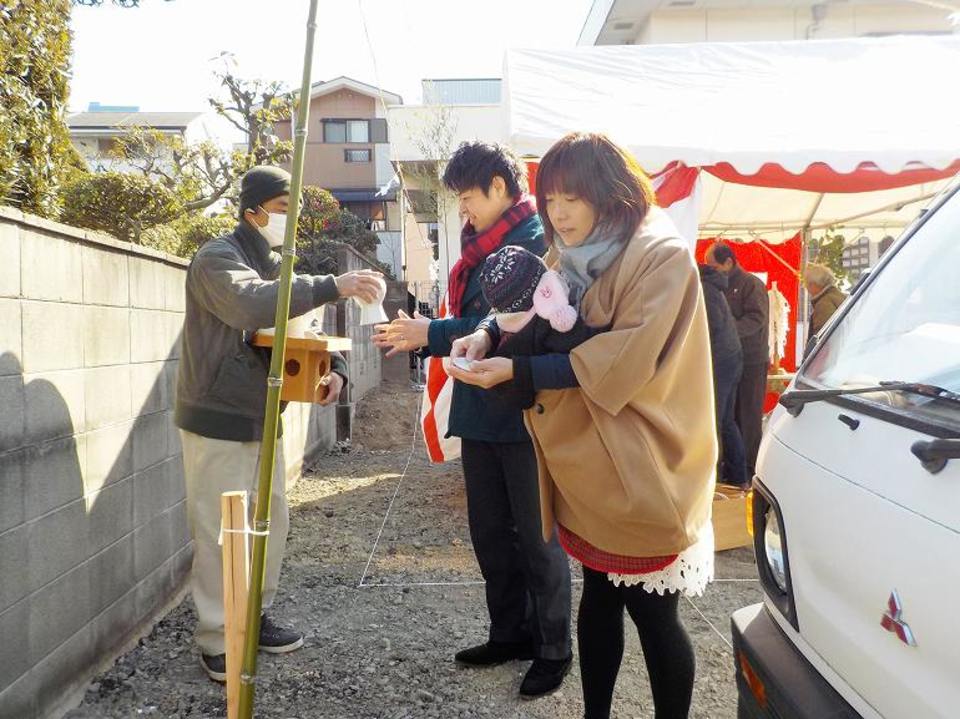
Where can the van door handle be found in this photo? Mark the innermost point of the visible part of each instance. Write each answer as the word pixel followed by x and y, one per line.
pixel 935 453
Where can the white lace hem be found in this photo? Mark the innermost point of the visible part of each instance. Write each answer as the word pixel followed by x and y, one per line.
pixel 689 573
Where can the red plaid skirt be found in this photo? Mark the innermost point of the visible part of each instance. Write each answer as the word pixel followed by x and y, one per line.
pixel 600 561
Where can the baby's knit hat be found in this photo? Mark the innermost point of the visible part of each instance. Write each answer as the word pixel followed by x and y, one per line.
pixel 509 278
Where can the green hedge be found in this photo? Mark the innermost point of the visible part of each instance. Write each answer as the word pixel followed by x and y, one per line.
pixel 123 205
pixel 183 236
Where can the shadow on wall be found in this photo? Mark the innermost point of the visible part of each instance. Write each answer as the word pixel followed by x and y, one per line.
pixel 93 525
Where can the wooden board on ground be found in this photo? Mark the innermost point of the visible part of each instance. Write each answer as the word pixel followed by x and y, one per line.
pixel 730 518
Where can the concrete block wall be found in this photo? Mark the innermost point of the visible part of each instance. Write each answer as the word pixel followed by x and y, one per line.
pixel 93 527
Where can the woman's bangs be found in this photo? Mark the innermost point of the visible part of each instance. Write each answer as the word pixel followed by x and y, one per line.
pixel 562 174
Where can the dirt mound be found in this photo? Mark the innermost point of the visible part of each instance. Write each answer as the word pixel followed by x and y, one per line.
pixel 385 418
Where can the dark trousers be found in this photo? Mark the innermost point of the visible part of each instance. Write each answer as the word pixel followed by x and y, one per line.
pixel 528 580
pixel 666 646
pixel 732 467
pixel 751 393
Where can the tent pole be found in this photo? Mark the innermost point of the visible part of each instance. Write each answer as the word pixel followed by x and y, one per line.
pixel 893 206
pixel 268 445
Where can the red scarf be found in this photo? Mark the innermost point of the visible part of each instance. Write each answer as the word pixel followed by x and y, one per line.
pixel 476 247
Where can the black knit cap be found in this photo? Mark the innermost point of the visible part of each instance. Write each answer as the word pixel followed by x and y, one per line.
pixel 261 184
pixel 510 277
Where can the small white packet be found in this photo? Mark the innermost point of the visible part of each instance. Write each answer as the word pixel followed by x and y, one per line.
pixel 372 313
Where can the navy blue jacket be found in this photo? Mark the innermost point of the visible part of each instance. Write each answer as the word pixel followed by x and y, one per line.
pixel 474 414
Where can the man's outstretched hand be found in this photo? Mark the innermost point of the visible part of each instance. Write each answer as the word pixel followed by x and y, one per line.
pixel 404 334
pixel 362 284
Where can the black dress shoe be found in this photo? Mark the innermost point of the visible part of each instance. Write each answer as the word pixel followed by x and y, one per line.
pixel 544 676
pixel 492 653
pixel 215 665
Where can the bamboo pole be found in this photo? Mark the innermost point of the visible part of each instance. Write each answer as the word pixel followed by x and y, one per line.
pixel 274 382
pixel 236 586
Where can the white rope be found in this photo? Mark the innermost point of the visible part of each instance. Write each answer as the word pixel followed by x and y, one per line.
pixel 704 618
pixel 735 580
pixel 413 446
pixel 246 530
pixel 398 585
pixel 480 582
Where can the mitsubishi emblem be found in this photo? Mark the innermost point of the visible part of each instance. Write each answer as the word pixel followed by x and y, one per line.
pixel 893 622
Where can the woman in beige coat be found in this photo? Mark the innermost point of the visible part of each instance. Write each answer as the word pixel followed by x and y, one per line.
pixel 624 425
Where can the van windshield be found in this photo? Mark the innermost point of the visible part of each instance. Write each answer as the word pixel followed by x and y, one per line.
pixel 905 326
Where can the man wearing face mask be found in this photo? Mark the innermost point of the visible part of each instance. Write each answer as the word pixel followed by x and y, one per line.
pixel 231 291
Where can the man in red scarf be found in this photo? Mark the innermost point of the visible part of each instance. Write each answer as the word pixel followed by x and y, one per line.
pixel 528 581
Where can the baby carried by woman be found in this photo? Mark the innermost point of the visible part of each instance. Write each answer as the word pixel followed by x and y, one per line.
pixel 532 315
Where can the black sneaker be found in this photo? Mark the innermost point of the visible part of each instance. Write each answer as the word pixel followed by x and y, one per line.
pixel 275 639
pixel 492 653
pixel 544 676
pixel 215 665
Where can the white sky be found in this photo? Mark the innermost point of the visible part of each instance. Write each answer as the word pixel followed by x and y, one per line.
pixel 159 56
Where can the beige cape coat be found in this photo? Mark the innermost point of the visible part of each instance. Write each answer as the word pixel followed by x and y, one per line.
pixel 627 460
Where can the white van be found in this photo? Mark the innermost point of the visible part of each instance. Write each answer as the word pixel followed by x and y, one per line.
pixel 856 504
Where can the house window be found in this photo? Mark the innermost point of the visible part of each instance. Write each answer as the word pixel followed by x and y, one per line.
pixel 356 155
pixel 334 131
pixel 358 131
pixel 341 131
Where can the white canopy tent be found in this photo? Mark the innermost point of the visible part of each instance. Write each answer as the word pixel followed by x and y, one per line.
pixel 820 125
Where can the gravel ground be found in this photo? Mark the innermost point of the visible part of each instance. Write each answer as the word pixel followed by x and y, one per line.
pixel 386 598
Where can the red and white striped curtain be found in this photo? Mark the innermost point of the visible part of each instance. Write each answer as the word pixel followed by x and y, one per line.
pixel 435 409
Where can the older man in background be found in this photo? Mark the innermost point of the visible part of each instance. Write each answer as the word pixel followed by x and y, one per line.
pixel 825 296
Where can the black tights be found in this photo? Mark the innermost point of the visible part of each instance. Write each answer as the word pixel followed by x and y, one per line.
pixel 666 647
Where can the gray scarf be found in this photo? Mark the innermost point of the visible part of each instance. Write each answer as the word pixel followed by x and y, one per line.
pixel 583 264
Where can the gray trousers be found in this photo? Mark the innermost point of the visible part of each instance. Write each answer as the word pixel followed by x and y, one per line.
pixel 527 580
pixel 211 467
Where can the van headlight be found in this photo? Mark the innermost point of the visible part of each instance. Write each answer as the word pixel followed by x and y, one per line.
pixel 773 549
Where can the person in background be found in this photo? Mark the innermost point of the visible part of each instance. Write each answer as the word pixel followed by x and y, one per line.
pixel 747 297
pixel 727 357
pixel 527 579
pixel 623 424
pixel 231 291
pixel 825 296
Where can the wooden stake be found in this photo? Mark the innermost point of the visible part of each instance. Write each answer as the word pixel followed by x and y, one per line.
pixel 236 586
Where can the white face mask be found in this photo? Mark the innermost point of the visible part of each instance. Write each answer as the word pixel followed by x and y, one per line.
pixel 275 229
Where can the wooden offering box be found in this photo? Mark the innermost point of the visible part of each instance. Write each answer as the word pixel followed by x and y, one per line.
pixel 306 362
pixel 730 518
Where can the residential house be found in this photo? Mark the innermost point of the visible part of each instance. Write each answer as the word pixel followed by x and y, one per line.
pixel 95 132
pixel 348 153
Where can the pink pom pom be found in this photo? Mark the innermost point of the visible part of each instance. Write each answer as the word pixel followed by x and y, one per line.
pixel 563 319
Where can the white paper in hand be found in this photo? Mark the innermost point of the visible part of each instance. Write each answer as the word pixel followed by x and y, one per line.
pixel 372 313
